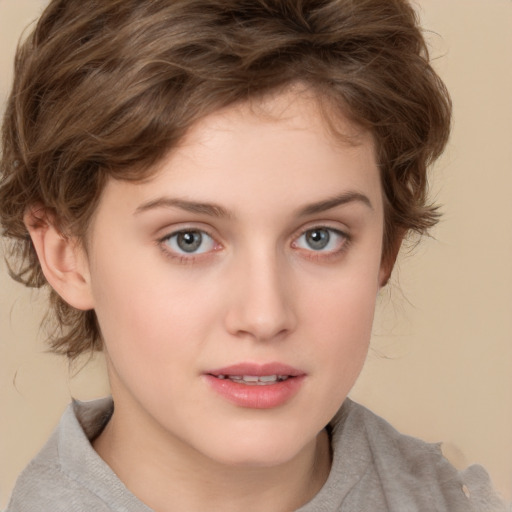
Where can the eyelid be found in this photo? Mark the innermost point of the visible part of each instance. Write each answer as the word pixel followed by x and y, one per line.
pixel 337 231
pixel 323 254
pixel 323 224
pixel 185 257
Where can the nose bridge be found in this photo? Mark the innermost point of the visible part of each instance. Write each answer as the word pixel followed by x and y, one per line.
pixel 262 305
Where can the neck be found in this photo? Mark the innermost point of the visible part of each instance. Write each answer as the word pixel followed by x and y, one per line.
pixel 168 475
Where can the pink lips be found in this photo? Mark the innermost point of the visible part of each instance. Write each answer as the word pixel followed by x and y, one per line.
pixel 256 386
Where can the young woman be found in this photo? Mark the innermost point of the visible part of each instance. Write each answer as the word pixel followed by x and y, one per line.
pixel 216 191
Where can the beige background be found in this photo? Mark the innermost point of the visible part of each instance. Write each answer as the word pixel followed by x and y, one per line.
pixel 441 363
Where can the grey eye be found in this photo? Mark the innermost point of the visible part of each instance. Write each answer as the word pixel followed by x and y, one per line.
pixel 190 242
pixel 321 239
pixel 318 238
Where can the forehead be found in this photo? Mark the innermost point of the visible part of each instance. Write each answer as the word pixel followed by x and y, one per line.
pixel 297 111
pixel 268 156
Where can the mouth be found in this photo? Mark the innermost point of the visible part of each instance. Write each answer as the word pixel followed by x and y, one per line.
pixel 253 374
pixel 256 386
pixel 254 380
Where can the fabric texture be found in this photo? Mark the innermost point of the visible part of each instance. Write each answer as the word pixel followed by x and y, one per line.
pixel 374 468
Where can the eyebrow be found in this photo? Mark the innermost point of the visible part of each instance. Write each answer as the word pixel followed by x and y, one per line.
pixel 215 210
pixel 210 209
pixel 333 202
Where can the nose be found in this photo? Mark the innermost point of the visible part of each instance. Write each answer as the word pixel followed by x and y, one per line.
pixel 262 302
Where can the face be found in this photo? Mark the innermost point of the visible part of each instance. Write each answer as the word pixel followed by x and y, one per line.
pixel 235 289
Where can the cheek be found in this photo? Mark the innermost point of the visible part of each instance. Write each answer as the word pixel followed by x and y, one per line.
pixel 149 313
pixel 345 322
pixel 341 318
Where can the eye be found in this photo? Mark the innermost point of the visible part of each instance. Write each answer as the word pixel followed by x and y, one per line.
pixel 321 239
pixel 190 241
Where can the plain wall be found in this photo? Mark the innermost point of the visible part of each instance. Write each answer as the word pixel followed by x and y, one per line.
pixel 440 367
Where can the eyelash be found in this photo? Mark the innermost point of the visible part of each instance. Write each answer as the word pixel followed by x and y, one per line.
pixel 311 254
pixel 184 257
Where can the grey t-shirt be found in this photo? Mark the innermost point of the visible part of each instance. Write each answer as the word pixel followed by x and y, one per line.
pixel 374 469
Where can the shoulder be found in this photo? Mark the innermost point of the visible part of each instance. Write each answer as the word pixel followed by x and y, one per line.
pixel 411 473
pixel 67 475
pixel 44 485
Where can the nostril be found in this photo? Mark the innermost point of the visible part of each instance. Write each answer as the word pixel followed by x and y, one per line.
pixel 261 304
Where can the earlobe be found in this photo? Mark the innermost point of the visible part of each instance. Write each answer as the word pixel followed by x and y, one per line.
pixel 62 259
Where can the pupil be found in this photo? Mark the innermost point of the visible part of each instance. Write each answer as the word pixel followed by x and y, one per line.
pixel 318 239
pixel 189 241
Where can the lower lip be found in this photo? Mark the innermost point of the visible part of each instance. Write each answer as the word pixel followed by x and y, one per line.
pixel 254 396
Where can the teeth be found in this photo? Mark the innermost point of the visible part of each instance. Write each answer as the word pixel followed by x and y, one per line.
pixel 250 378
pixel 268 378
pixel 254 380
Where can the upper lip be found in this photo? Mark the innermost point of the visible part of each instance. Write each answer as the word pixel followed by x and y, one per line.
pixel 257 370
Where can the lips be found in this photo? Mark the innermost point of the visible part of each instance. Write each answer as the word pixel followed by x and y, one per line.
pixel 257 370
pixel 256 386
pixel 254 380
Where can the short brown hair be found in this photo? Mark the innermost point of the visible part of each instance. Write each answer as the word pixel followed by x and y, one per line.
pixel 105 88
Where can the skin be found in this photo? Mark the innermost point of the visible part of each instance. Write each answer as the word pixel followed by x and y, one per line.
pixel 255 291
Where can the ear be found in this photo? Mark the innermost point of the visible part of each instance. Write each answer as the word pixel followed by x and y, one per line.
pixel 62 258
pixel 388 262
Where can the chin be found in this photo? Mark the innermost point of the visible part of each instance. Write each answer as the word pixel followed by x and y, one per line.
pixel 265 449
pixel 256 459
